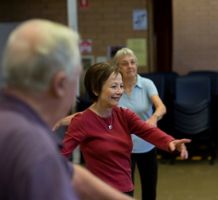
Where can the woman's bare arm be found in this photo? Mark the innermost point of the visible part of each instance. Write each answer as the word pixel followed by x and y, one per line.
pixel 64 121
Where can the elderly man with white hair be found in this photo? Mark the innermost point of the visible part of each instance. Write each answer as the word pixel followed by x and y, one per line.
pixel 40 69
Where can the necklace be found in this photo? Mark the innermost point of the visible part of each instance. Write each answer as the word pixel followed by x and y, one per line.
pixel 110 126
pixel 108 122
pixel 105 121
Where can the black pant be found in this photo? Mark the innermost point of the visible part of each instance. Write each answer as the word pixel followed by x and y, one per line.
pixel 147 166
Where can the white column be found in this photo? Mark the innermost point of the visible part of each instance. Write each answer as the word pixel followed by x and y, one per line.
pixel 73 23
pixel 72 14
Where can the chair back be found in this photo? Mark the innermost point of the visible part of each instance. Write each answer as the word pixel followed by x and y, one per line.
pixel 192 104
pixel 192 90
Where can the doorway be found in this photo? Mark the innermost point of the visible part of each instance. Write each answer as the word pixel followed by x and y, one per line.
pixel 161 35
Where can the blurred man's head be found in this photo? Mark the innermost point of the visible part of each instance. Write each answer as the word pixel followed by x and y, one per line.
pixel 43 57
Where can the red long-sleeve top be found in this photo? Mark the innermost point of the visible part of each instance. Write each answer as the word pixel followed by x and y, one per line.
pixel 107 152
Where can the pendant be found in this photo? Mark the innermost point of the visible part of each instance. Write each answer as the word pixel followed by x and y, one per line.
pixel 110 127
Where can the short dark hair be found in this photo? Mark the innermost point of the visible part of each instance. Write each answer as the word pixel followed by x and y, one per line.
pixel 96 76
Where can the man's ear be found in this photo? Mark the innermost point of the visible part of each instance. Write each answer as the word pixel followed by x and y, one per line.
pixel 59 84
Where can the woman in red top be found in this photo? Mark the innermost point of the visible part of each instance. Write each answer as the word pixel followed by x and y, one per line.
pixel 103 130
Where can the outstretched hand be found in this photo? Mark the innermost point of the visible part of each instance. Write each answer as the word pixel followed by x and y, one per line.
pixel 179 145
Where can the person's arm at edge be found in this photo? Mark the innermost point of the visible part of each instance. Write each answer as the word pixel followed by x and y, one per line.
pixel 89 187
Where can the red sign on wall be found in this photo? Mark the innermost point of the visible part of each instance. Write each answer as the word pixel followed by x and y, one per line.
pixel 86 46
pixel 84 3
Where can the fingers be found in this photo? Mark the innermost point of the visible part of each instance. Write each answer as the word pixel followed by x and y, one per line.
pixel 55 127
pixel 151 123
pixel 184 155
pixel 179 145
pixel 185 140
pixel 172 146
pixel 183 152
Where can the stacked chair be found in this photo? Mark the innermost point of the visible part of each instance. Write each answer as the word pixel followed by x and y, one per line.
pixel 191 103
pixel 192 114
pixel 213 76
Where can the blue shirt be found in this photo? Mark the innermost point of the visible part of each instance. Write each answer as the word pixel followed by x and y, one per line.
pixel 140 102
pixel 31 166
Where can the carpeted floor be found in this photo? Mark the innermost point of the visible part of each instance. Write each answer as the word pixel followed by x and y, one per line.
pixel 186 180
